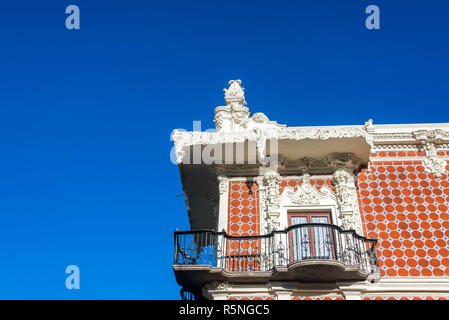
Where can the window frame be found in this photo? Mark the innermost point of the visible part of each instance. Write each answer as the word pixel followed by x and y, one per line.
pixel 309 215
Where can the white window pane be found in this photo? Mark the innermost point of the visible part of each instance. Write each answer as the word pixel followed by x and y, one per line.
pixel 301 239
pixel 321 238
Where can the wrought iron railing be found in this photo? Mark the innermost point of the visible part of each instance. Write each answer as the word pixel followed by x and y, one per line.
pixel 311 241
pixel 187 295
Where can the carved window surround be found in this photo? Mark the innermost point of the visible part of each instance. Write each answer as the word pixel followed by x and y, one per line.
pixel 343 205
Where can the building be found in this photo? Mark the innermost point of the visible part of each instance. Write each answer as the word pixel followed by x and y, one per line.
pixel 292 213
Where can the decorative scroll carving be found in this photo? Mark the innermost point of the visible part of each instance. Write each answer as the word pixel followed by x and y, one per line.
pixel 306 194
pixel 258 120
pixel 429 140
pixel 433 162
pixel 341 160
pixel 230 117
pixel 345 188
pixel 435 136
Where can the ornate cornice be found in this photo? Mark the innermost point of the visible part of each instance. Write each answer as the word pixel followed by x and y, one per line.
pixel 408 136
pixel 184 139
pixel 434 136
pixel 328 164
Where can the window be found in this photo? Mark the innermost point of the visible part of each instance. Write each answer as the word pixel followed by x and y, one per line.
pixel 308 240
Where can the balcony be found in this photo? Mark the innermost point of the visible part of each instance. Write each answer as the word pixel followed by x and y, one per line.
pixel 302 252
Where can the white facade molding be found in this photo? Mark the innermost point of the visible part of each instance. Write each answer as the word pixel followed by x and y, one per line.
pixel 343 205
pixel 183 139
pixel 217 290
pixel 433 163
pixel 434 136
pixel 399 287
pixel 264 227
pixel 307 198
pixel 223 188
pixel 285 290
pixel 410 134
pixel 271 182
pixel 329 163
pixel 223 185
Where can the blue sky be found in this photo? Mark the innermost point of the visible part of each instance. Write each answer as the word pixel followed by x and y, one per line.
pixel 86 116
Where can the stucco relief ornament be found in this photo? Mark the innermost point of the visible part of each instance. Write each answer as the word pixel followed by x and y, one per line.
pixel 429 139
pixel 340 160
pixel 435 136
pixel 305 194
pixel 235 93
pixel 218 122
pixel 433 163
pixel 344 183
pixel 369 126
pixel 271 180
pixel 231 116
pixel 325 133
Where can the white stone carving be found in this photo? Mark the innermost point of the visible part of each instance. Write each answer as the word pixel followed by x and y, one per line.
pixel 429 140
pixel 433 163
pixel 235 93
pixel 235 116
pixel 262 204
pixel 340 160
pixel 306 194
pixel 369 126
pixel 222 184
pixel 345 188
pixel 271 181
pixel 260 135
pixel 328 164
pixel 324 133
pixel 230 117
pixel 435 136
pixel 260 120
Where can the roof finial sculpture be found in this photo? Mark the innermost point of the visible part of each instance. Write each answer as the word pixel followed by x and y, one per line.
pixel 235 93
pixel 235 115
